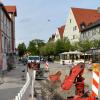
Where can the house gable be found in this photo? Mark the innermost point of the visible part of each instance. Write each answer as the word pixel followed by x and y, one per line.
pixel 71 28
pixel 59 32
pixel 57 35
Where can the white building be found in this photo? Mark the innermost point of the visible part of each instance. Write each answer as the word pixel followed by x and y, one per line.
pixel 59 33
pixel 91 32
pixel 77 19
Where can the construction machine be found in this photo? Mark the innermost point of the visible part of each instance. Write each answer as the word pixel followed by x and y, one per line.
pixel 75 77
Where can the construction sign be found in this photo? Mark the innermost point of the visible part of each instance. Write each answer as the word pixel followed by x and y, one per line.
pixel 95 80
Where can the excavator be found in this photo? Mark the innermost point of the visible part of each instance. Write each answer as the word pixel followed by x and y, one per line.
pixel 74 77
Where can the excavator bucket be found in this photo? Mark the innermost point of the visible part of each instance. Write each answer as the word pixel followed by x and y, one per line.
pixel 74 72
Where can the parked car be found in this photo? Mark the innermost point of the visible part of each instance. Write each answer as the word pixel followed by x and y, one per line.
pixel 24 60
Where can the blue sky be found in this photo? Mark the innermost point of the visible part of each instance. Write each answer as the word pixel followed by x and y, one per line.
pixel 33 15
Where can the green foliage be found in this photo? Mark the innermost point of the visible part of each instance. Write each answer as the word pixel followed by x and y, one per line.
pixel 50 48
pixel 74 46
pixel 34 46
pixel 96 43
pixel 43 51
pixel 54 48
pixel 84 45
pixel 62 45
pixel 37 46
pixel 21 49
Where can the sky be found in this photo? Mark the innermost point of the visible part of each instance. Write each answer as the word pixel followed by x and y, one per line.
pixel 39 19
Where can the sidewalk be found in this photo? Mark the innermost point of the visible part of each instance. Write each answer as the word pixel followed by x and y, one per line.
pixel 12 83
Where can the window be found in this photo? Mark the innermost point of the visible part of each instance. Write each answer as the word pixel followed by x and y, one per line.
pixel 70 20
pixel 82 25
pixel 84 35
pixel 99 30
pixel 93 34
pixel 73 36
pixel 74 28
pixel 2 42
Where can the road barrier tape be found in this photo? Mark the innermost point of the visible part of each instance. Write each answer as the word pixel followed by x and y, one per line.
pixel 95 80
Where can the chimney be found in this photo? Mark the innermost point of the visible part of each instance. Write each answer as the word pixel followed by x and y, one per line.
pixel 98 10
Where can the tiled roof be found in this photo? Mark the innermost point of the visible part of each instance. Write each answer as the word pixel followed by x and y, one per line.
pixel 95 24
pixel 86 16
pixel 11 9
pixel 61 30
pixel 3 7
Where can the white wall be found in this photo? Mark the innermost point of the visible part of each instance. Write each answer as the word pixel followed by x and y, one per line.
pixel 68 32
pixel 57 35
pixel 91 34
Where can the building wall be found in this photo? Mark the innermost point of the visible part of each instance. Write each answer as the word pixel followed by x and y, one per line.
pixel 12 16
pixel 71 29
pixel 5 33
pixel 91 34
pixel 5 37
pixel 57 35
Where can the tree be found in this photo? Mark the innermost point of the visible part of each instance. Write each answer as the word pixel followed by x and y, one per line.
pixel 96 43
pixel 43 51
pixel 21 49
pixel 84 45
pixel 74 46
pixel 50 48
pixel 35 45
pixel 62 45
pixel 32 48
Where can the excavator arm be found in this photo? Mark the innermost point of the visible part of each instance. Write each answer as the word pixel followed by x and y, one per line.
pixel 74 72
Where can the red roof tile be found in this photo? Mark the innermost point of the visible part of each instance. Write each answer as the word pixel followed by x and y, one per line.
pixel 85 16
pixel 11 9
pixel 61 30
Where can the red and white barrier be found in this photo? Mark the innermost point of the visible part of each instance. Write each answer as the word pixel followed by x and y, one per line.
pixel 95 80
pixel 46 65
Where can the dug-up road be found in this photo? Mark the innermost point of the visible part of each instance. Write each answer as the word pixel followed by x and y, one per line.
pixel 54 67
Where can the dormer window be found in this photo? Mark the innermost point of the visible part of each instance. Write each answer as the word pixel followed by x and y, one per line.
pixel 82 25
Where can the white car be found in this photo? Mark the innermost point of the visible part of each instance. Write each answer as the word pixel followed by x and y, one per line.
pixel 33 59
